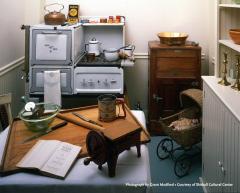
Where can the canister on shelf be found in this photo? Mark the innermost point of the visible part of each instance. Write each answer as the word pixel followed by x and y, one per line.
pixel 118 19
pixel 110 19
pixel 73 14
pixel 103 20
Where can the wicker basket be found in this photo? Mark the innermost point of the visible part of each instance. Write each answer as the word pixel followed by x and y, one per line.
pixel 191 100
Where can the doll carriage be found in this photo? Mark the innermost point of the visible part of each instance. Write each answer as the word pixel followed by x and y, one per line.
pixel 186 136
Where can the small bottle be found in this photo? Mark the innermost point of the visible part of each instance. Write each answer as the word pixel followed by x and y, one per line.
pixel 110 19
pixel 103 20
pixel 118 19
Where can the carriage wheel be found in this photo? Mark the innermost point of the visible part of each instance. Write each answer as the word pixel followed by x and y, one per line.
pixel 182 165
pixel 164 147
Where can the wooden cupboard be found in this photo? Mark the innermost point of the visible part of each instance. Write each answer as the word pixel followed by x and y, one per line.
pixel 171 70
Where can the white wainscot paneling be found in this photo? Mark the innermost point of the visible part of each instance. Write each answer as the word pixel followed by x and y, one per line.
pixel 11 82
pixel 136 80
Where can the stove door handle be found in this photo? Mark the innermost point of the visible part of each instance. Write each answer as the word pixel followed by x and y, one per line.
pixel 51 32
pixel 113 81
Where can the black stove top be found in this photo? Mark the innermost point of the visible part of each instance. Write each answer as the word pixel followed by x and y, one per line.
pixel 98 61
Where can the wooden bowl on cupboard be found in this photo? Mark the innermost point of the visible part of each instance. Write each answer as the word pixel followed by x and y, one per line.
pixel 235 35
pixel 172 38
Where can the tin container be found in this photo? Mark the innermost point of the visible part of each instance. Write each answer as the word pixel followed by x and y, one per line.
pixel 107 108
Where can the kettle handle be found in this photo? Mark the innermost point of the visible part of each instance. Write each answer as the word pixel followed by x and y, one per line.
pixel 133 48
pixel 45 7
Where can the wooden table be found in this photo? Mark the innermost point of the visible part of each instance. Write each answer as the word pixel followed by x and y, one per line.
pixel 130 170
pixel 71 133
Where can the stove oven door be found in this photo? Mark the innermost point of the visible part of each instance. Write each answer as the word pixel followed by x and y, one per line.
pixel 37 80
pixel 97 80
pixel 50 46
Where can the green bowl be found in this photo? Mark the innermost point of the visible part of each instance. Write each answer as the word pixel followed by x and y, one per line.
pixel 41 120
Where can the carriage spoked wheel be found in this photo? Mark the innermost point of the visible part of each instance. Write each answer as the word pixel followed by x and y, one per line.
pixel 164 148
pixel 182 165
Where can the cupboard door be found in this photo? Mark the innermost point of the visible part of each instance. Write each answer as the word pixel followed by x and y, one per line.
pixel 168 103
pixel 212 140
pixel 231 165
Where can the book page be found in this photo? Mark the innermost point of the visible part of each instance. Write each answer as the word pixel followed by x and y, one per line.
pixel 39 154
pixel 62 159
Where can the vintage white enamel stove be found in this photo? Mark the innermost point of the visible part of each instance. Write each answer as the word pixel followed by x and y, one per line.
pixel 63 48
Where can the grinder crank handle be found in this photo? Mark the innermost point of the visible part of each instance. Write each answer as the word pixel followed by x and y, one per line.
pixel 87 161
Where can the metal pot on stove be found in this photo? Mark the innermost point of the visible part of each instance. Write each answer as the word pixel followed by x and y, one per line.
pixel 127 52
pixel 93 47
pixel 112 54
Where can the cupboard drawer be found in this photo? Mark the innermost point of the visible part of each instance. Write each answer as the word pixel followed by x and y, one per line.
pixel 182 53
pixel 179 67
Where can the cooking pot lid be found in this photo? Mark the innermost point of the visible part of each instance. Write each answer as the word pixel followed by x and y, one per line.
pixel 93 41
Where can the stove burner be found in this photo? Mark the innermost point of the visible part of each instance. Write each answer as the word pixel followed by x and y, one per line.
pixel 98 61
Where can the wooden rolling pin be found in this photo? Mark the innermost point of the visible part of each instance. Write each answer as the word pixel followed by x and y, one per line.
pixel 81 123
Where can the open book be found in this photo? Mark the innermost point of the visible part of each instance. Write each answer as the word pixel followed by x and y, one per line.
pixel 52 157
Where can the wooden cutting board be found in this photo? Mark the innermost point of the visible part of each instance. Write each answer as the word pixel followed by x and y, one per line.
pixel 71 133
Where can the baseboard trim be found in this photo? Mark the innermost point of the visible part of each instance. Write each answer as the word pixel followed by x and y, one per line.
pixel 6 68
pixel 141 55
pixel 146 56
